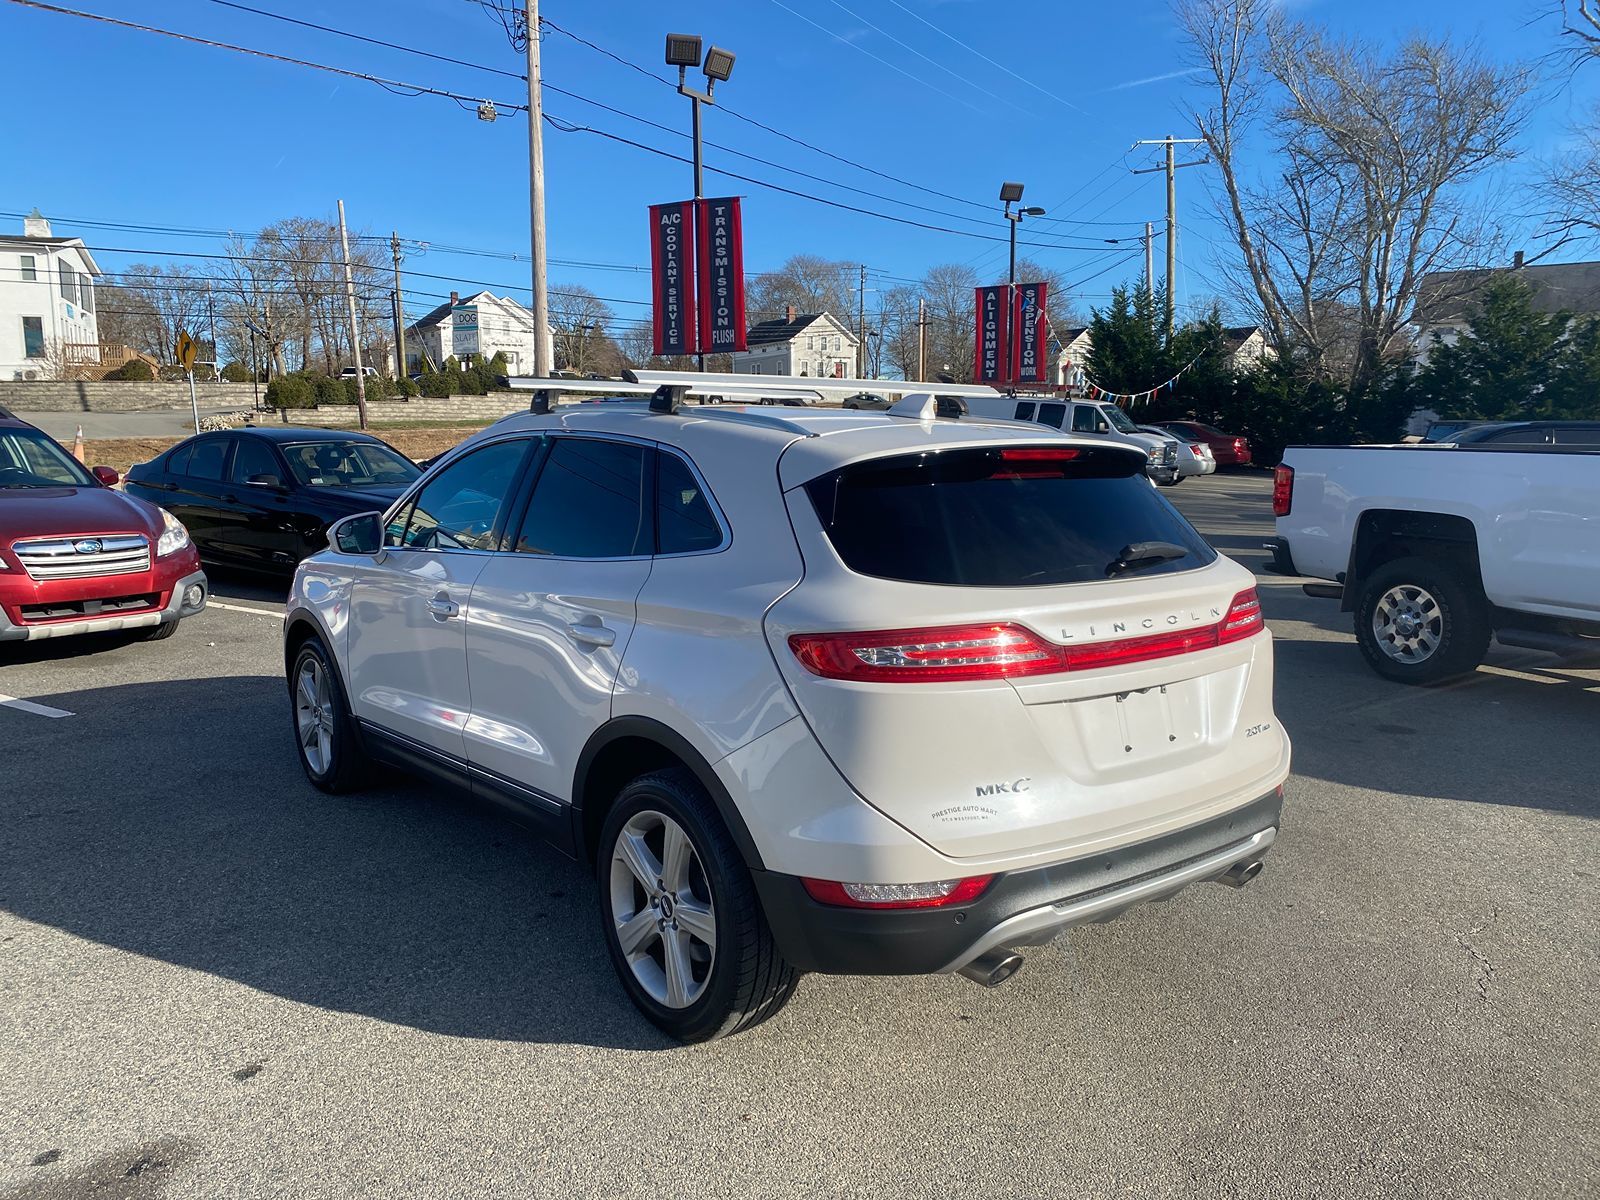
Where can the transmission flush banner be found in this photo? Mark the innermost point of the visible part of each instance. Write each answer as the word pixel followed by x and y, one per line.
pixel 1029 337
pixel 672 268
pixel 721 237
pixel 992 358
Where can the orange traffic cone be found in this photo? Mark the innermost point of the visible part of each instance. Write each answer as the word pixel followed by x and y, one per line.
pixel 77 445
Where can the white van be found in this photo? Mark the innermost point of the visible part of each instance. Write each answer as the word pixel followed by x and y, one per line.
pixel 1089 417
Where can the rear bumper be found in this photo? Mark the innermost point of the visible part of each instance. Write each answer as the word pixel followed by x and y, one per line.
pixel 1019 908
pixel 177 606
pixel 1282 559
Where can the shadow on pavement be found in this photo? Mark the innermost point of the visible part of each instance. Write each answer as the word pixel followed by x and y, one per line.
pixel 230 583
pixel 126 826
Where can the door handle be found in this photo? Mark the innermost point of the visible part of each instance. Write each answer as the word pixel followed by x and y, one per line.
pixel 443 607
pixel 597 636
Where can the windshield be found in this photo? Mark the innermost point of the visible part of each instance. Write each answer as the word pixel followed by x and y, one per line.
pixel 1119 419
pixel 349 465
pixel 1011 516
pixel 30 458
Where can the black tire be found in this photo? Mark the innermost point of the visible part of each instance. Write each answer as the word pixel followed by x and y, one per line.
pixel 748 979
pixel 1450 608
pixel 347 768
pixel 160 633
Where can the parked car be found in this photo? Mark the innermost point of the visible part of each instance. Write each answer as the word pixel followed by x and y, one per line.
pixel 704 653
pixel 263 498
pixel 77 556
pixel 1434 549
pixel 1095 419
pixel 1528 433
pixel 1445 431
pixel 1228 449
pixel 1194 457
pixel 869 401
pixel 350 372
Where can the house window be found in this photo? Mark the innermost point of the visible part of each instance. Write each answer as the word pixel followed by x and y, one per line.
pixel 69 283
pixel 811 342
pixel 86 293
pixel 33 337
pixel 29 271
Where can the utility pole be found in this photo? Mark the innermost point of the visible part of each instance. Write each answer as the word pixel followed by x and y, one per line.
pixel 1150 261
pixel 355 326
pixel 399 310
pixel 922 339
pixel 543 352
pixel 1171 169
pixel 861 351
pixel 211 308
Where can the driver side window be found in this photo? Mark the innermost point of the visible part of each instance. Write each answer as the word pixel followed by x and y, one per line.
pixel 459 508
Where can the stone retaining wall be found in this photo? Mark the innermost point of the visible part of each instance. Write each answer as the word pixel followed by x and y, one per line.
pixel 83 396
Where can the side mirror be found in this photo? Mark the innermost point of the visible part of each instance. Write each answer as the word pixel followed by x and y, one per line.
pixel 106 476
pixel 360 534
pixel 265 480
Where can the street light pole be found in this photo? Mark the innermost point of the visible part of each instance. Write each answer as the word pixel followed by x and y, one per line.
pixel 683 52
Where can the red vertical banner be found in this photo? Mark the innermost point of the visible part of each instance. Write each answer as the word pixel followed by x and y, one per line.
pixel 720 233
pixel 672 262
pixel 1029 336
pixel 991 360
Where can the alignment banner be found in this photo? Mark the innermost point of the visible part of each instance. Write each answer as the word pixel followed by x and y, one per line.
pixel 991 361
pixel 1030 338
pixel 720 233
pixel 672 268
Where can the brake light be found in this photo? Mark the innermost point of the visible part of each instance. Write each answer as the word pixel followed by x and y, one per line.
pixel 1032 462
pixel 896 895
pixel 1282 490
pixel 1037 454
pixel 965 653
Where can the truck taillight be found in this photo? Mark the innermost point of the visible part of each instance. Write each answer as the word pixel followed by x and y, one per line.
pixel 1282 490
pixel 965 653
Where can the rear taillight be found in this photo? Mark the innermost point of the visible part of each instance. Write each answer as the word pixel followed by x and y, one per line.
pixel 1243 619
pixel 1282 490
pixel 1238 445
pixel 897 895
pixel 963 653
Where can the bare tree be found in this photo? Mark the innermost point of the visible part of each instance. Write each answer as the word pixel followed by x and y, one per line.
pixel 637 342
pixel 126 318
pixel 581 322
pixel 1371 155
pixel 174 297
pixel 947 289
pixel 808 283
pixel 1571 183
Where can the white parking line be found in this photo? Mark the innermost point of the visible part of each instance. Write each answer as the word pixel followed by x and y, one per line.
pixel 28 706
pixel 265 612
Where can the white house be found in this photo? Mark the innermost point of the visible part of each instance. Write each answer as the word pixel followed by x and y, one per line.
pixel 1245 345
pixel 483 324
pixel 1448 300
pixel 1070 360
pixel 814 344
pixel 47 306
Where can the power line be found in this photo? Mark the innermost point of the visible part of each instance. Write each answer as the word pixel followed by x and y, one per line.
pixel 416 89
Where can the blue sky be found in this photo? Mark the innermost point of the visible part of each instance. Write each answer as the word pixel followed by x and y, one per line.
pixel 949 95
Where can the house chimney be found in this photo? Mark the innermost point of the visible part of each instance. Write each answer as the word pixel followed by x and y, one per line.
pixel 35 226
pixel 1516 261
pixel 455 299
pixel 788 313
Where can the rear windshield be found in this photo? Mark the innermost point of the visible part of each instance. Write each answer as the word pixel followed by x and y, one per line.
pixel 1014 516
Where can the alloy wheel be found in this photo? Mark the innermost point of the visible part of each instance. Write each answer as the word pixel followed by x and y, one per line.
pixel 313 715
pixel 1408 623
pixel 661 905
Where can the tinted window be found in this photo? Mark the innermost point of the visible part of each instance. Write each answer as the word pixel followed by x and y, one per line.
pixel 1520 437
pixel 996 518
pixel 178 460
pixel 684 520
pixel 206 459
pixel 1024 411
pixel 351 464
pixel 1052 415
pixel 458 508
pixel 1589 436
pixel 252 457
pixel 588 502
pixel 1083 416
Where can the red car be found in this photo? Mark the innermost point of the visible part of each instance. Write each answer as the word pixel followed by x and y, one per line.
pixel 1228 450
pixel 78 557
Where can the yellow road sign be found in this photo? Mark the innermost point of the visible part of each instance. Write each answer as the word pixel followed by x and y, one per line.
pixel 186 350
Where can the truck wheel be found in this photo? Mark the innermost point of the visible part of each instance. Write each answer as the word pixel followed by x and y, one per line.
pixel 680 915
pixel 1420 621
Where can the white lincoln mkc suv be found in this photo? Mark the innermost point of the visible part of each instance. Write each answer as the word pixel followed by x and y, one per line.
pixel 811 691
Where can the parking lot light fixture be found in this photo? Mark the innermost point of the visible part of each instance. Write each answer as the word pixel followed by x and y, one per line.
pixel 683 52
pixel 1011 193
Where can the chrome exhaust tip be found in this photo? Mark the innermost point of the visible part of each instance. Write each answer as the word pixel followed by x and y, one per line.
pixel 994 968
pixel 1240 873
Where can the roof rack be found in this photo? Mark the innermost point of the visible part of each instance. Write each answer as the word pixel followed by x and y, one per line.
pixel 711 383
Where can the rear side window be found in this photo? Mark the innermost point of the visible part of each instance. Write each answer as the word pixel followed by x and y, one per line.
pixel 1024 411
pixel 1586 436
pixel 178 460
pixel 205 461
pixel 1052 415
pixel 1083 418
pixel 1017 516
pixel 684 520
pixel 589 502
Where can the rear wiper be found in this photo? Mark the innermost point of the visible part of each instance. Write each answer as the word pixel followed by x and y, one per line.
pixel 1144 554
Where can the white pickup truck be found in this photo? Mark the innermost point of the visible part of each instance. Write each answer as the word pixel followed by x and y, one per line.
pixel 1437 548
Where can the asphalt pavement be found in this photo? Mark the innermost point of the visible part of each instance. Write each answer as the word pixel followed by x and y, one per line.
pixel 153 423
pixel 215 981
